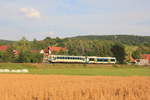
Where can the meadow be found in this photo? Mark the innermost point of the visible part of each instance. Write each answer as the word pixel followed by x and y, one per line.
pixel 80 69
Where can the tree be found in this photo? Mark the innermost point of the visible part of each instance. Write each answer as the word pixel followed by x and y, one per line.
pixel 118 51
pixel 36 58
pixel 24 57
pixel 136 54
pixel 1 56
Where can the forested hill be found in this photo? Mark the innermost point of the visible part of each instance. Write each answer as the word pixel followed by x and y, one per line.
pixel 123 47
pixel 125 39
pixel 6 42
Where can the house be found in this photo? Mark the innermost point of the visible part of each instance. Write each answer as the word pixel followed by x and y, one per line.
pixel 56 49
pixel 4 47
pixel 51 50
pixel 146 56
pixel 145 60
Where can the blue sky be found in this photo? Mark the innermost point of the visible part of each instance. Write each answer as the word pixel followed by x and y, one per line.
pixel 65 18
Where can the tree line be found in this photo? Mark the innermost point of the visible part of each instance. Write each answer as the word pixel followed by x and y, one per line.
pixel 81 47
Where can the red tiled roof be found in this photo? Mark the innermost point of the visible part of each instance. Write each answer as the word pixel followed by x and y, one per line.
pixel 3 47
pixel 146 56
pixel 54 48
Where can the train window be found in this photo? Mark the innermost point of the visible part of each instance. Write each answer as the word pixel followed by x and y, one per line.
pixel 113 60
pixel 76 58
pixel 105 60
pixel 91 59
pixel 100 59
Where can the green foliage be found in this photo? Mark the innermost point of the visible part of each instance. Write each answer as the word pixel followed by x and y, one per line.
pixel 89 47
pixel 1 56
pixel 119 52
pixel 36 58
pixel 140 50
pixel 9 56
pixel 29 57
pixel 124 39
pixel 136 54
pixel 129 52
pixel 103 46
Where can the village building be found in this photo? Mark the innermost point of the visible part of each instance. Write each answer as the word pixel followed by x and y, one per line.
pixel 145 60
pixel 51 50
pixel 3 47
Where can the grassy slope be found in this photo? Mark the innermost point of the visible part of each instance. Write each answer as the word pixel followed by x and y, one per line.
pixel 79 69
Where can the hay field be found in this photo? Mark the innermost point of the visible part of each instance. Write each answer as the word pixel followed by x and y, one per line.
pixel 57 87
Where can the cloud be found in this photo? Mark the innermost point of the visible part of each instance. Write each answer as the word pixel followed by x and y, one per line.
pixel 30 13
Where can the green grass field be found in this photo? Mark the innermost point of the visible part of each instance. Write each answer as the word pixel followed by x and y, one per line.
pixel 80 69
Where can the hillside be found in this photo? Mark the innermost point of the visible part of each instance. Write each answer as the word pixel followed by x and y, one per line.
pixel 6 42
pixel 126 39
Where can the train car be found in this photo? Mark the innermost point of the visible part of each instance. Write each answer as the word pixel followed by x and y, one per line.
pixel 101 60
pixel 66 59
pixel 81 59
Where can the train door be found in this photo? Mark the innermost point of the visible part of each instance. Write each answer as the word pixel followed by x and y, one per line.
pixel 91 60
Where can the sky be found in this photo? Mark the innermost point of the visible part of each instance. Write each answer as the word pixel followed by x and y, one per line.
pixel 66 18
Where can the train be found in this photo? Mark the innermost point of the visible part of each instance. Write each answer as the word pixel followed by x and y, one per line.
pixel 81 59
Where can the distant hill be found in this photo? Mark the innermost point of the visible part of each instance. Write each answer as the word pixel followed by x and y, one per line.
pixel 126 39
pixel 6 42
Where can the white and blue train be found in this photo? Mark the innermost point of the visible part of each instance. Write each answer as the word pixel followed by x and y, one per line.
pixel 81 59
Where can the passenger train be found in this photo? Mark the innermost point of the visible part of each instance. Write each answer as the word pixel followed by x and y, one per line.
pixel 81 59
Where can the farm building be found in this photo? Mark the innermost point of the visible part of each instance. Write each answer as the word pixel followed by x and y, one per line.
pixel 146 56
pixel 145 60
pixel 50 50
pixel 3 47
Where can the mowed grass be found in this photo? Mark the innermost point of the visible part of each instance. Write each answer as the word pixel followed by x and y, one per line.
pixel 80 69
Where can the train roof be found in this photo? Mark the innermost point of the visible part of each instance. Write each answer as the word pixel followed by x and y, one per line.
pixel 65 56
pixel 99 57
pixel 79 56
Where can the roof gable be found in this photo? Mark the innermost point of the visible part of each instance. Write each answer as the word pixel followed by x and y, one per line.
pixel 54 48
pixel 146 56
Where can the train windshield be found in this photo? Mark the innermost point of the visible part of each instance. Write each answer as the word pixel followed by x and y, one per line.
pixel 112 60
pixel 91 59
